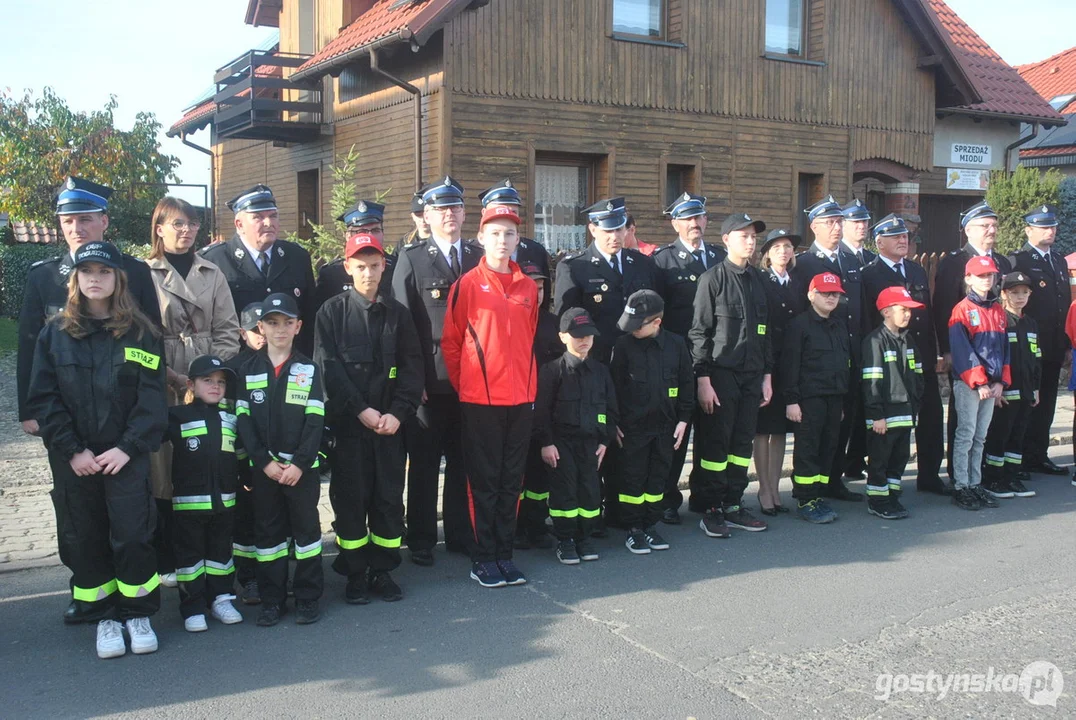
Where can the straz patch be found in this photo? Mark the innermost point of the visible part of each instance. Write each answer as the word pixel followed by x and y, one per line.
pixel 300 379
pixel 143 358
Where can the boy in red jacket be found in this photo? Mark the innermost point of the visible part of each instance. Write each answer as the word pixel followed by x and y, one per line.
pixel 488 347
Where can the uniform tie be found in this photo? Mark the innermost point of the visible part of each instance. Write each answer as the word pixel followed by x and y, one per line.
pixel 614 261
pixel 263 263
pixel 699 255
pixel 454 260
pixel 900 269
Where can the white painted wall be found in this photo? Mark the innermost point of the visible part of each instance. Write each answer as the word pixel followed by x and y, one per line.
pixel 960 129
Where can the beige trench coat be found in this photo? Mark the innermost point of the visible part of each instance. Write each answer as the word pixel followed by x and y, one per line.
pixel 199 318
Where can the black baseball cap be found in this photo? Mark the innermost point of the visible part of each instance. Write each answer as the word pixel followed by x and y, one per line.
pixel 250 316
pixel 99 252
pixel 739 221
pixel 204 365
pixel 1015 279
pixel 578 323
pixel 641 305
pixel 280 303
pixel 533 271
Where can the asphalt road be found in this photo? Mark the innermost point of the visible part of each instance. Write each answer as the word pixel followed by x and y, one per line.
pixel 797 621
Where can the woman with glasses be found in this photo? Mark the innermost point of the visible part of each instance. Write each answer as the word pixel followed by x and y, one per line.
pixel 198 318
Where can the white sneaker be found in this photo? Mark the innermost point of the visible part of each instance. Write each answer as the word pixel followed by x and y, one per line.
pixel 169 580
pixel 224 611
pixel 195 623
pixel 143 639
pixel 110 640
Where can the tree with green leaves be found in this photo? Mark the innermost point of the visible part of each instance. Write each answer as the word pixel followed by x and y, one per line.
pixel 1013 195
pixel 42 141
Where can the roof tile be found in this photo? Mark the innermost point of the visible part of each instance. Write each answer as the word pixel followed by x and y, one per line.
pixel 385 18
pixel 1056 75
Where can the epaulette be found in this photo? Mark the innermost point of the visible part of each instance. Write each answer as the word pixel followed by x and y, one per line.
pixel 572 255
pixel 415 244
pixel 663 248
pixel 46 260
pixel 957 251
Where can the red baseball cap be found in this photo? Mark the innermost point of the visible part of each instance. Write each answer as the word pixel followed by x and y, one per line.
pixel 362 241
pixel 826 283
pixel 897 296
pixel 981 265
pixel 499 212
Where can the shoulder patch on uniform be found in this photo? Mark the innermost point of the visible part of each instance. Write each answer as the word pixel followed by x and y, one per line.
pixel 46 261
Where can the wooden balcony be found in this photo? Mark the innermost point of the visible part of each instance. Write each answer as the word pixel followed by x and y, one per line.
pixel 256 101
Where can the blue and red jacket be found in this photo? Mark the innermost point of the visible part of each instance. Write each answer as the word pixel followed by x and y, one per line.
pixel 978 342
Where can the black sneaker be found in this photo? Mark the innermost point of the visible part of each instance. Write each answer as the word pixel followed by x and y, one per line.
pixel 307 612
pixel 271 614
pixel 985 498
pixel 882 506
pixel 250 594
pixel 381 583
pixel 670 516
pixel 997 488
pixel 636 542
pixel 654 539
pixel 422 558
pixel 1019 489
pixel 567 553
pixel 586 550
pixel 511 573
pixel 894 500
pixel 741 518
pixel 713 524
pixel 487 574
pixel 356 591
pixel 965 499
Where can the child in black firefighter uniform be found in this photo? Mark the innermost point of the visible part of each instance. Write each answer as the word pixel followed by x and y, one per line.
pixel 280 416
pixel 243 550
pixel 367 346
pixel 652 368
pixel 1012 413
pixel 531 530
pixel 815 371
pixel 892 391
pixel 575 417
pixel 204 474
pixel 97 387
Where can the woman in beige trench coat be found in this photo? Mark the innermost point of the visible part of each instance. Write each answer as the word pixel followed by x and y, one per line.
pixel 199 318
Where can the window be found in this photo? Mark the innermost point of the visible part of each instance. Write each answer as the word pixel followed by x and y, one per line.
pixel 562 190
pixel 810 189
pixel 639 17
pixel 785 27
pixel 678 180
pixel 307 202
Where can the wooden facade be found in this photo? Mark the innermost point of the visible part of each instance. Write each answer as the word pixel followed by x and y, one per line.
pixel 515 81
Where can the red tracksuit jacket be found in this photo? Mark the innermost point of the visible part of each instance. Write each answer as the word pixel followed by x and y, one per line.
pixel 488 339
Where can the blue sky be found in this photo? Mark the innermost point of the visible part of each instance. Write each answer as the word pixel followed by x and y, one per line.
pixel 159 56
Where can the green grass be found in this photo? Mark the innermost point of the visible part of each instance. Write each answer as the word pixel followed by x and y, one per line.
pixel 9 337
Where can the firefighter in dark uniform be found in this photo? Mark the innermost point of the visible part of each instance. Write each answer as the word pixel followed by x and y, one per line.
pixel 368 349
pixel 367 217
pixel 855 228
pixel 424 273
pixel 529 252
pixel 1049 304
pixel 679 266
pixel 601 277
pixel 82 210
pixel 894 269
pixel 421 230
pixel 730 350
pixel 980 225
pixel 829 255
pixel 257 264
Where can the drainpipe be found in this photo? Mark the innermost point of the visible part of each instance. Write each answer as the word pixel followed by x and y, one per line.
pixel 212 212
pixel 1022 141
pixel 375 66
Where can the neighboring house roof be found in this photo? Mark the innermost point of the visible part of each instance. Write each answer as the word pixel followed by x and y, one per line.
pixel 194 119
pixel 1052 77
pixel 1052 143
pixel 1000 88
pixel 27 231
pixel 1048 151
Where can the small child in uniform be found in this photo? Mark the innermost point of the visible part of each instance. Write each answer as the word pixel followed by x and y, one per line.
pixel 575 416
pixel 204 473
pixel 892 392
pixel 653 369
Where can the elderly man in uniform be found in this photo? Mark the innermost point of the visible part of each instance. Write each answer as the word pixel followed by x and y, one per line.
pixel 1048 305
pixel 894 269
pixel 363 218
pixel 82 209
pixel 425 271
pixel 679 266
pixel 980 224
pixel 829 255
pixel 257 264
pixel 601 277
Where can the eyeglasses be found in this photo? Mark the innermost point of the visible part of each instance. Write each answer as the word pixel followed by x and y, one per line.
pixel 450 209
pixel 181 226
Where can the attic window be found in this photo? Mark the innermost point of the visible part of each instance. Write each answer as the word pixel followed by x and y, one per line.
pixel 1061 101
pixel 645 18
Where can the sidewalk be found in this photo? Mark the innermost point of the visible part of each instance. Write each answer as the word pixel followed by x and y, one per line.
pixel 28 525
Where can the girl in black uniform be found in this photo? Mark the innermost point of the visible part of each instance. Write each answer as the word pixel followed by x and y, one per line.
pixel 778 258
pixel 98 388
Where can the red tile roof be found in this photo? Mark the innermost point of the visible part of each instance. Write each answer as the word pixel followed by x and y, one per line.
pixel 194 119
pixel 1056 75
pixel 27 231
pixel 1001 88
pixel 1049 151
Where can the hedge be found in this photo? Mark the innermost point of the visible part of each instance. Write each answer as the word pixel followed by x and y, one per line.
pixel 15 262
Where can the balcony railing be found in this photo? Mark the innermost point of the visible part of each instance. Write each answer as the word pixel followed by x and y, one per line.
pixel 255 101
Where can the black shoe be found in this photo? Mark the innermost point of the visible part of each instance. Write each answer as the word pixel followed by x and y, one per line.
pixel 740 518
pixel 938 487
pixel 781 509
pixel 250 594
pixel 985 499
pixel 566 552
pixel 79 612
pixel 271 614
pixel 894 500
pixel 1019 489
pixel 381 583
pixel 586 550
pixel 882 506
pixel 423 558
pixel 1024 475
pixel 670 516
pixel 307 612
pixel 1047 467
pixel 713 524
pixel 997 488
pixel 356 592
pixel 636 542
pixel 512 574
pixel 965 499
pixel 769 512
pixel 654 539
pixel 835 490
